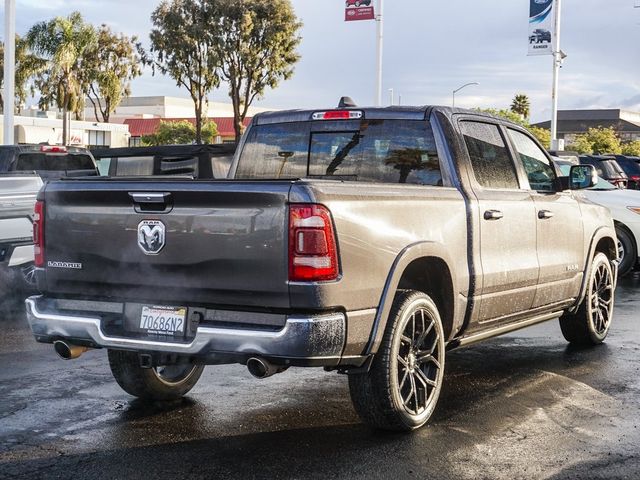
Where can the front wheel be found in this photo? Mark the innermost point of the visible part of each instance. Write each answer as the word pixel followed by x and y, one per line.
pixel 590 324
pixel 627 252
pixel 401 389
pixel 157 383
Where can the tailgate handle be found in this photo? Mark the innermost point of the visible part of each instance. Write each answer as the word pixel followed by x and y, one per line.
pixel 148 197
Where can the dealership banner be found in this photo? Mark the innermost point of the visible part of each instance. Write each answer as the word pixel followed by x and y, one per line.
pixel 359 10
pixel 541 26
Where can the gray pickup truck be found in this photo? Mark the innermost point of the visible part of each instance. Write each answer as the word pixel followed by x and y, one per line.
pixel 368 241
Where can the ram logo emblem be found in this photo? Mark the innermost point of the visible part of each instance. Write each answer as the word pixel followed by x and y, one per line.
pixel 151 236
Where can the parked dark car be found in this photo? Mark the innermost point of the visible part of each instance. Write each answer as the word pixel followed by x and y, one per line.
pixel 197 161
pixel 631 166
pixel 48 161
pixel 357 3
pixel 540 35
pixel 608 168
pixel 367 241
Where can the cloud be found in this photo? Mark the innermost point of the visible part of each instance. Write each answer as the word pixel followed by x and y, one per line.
pixel 430 49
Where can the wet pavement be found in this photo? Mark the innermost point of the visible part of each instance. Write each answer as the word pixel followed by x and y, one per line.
pixel 521 406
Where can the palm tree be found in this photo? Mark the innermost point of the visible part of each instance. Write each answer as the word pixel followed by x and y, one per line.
pixel 27 67
pixel 521 105
pixel 62 43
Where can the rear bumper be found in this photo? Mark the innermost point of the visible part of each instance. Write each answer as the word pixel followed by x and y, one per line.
pixel 303 340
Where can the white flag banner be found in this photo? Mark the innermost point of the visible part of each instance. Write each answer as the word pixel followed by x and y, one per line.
pixel 541 27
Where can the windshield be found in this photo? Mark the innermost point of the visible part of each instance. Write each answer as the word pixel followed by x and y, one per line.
pixel 601 185
pixel 387 151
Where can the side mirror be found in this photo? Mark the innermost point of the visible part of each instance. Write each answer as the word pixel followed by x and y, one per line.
pixel 583 176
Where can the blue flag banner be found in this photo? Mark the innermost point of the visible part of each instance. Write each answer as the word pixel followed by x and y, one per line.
pixel 541 27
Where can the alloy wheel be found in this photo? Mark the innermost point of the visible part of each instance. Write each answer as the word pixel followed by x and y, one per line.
pixel 419 362
pixel 601 299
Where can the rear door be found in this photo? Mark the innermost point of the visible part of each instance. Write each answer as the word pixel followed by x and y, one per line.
pixel 559 225
pixel 507 225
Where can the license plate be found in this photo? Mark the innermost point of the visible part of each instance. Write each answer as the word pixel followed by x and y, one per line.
pixel 163 320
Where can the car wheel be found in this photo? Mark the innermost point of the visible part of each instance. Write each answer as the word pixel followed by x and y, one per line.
pixel 157 383
pixel 401 389
pixel 627 251
pixel 590 324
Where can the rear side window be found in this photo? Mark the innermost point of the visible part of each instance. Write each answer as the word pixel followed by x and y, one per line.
pixel 490 160
pixel 134 166
pixel 386 151
pixel 541 174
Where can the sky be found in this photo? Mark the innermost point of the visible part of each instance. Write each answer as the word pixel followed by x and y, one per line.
pixel 430 48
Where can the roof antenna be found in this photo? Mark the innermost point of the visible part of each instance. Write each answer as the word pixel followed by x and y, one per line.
pixel 346 102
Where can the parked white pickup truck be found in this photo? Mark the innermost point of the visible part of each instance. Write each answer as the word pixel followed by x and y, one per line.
pixel 17 199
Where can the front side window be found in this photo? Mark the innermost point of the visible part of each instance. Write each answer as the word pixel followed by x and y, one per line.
pixel 542 176
pixel 490 159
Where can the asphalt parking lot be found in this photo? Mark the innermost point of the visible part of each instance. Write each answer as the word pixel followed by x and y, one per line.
pixel 521 406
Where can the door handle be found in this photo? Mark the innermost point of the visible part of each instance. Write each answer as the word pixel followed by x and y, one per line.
pixel 493 215
pixel 544 214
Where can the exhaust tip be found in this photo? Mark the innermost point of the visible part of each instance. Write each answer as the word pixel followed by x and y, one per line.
pixel 258 367
pixel 66 351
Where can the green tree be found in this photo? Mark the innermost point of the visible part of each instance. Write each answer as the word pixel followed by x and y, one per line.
pixel 255 42
pixel 581 144
pixel 181 47
pixel 28 66
pixel 631 148
pixel 180 133
pixel 521 105
pixel 598 140
pixel 542 134
pixel 62 42
pixel 506 114
pixel 107 71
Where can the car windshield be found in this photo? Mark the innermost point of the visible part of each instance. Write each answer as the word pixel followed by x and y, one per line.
pixel 601 185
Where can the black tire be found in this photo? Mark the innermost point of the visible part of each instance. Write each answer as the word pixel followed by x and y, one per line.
pixel 627 250
pixel 590 324
pixel 401 390
pixel 152 383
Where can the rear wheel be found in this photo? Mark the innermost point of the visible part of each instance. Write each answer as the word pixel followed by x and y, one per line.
pixel 401 389
pixel 627 251
pixel 157 383
pixel 590 324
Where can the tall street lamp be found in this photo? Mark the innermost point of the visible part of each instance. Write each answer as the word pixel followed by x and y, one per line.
pixel 9 68
pixel 453 103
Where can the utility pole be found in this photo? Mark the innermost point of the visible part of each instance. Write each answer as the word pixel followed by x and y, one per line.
pixel 557 63
pixel 9 69
pixel 379 39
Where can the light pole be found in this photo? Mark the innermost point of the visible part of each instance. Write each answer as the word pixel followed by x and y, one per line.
pixel 391 96
pixel 379 42
pixel 558 56
pixel 9 69
pixel 453 103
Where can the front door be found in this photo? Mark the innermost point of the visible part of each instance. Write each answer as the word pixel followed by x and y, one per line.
pixel 560 232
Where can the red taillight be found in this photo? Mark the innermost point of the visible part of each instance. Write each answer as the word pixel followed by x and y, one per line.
pixel 38 233
pixel 313 254
pixel 634 178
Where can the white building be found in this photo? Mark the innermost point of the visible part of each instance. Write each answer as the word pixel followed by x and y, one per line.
pixel 164 107
pixel 46 128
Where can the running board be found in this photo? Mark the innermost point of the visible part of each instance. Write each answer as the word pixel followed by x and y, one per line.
pixel 478 337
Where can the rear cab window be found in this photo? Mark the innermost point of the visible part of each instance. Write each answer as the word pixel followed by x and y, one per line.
pixel 383 151
pixel 31 161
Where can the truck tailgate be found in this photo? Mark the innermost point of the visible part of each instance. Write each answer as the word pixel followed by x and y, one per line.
pixel 224 241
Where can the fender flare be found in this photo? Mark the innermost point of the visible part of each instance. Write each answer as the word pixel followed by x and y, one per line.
pixel 410 253
pixel 599 234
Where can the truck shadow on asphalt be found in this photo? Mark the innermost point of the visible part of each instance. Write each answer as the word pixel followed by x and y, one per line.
pixel 491 393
